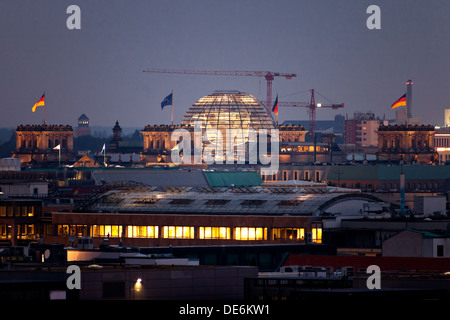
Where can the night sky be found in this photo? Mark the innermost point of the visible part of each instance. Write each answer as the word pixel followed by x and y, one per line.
pixel 98 70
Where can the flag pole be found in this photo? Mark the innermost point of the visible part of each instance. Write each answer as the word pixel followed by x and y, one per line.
pixel 172 107
pixel 45 122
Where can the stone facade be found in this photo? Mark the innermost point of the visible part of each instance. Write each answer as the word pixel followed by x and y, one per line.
pixel 158 143
pixel 407 143
pixel 35 144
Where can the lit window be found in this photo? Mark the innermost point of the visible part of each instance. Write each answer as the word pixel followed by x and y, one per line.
pixel 145 201
pixel 245 233
pixel 176 232
pixel 317 235
pixel 107 231
pixel 214 233
pixel 63 230
pixel 113 231
pixel 288 233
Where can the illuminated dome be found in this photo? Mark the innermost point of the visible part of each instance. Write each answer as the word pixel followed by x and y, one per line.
pixel 229 116
pixel 229 110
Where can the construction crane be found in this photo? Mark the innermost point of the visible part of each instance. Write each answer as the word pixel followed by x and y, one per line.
pixel 312 106
pixel 268 75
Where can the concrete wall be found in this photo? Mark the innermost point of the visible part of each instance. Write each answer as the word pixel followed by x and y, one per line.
pixel 430 247
pixel 120 283
pixel 24 189
pixel 403 244
pixel 413 244
pixel 179 283
pixel 10 164
pixel 428 205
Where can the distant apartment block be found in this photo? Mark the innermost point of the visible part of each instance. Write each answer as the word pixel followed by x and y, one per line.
pixel 442 145
pixel 362 129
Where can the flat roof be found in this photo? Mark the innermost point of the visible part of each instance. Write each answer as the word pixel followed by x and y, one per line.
pixel 388 172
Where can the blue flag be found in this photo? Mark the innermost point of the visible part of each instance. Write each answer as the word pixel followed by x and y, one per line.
pixel 167 101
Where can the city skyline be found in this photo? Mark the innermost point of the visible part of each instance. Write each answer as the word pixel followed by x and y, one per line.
pixel 97 70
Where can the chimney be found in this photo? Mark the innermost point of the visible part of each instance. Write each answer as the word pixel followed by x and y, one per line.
pixel 409 98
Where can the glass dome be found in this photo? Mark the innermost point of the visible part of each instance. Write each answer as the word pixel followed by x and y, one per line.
pixel 229 116
pixel 229 110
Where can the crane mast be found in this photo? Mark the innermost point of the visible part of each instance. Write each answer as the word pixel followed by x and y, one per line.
pixel 312 106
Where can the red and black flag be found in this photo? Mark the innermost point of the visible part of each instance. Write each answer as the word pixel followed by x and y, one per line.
pixel 275 106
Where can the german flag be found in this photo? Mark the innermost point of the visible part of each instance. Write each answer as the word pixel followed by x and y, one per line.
pixel 275 106
pixel 400 102
pixel 41 102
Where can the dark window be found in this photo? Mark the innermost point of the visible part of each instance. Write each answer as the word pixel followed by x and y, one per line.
pixel 181 202
pixel 217 202
pixel 289 203
pixel 440 250
pixel 114 290
pixel 252 203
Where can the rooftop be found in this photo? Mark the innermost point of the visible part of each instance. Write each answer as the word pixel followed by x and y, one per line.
pixel 388 172
pixel 406 128
pixel 173 177
pixel 301 200
pixel 44 127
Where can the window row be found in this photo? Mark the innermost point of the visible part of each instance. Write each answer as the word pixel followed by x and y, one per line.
pixel 441 142
pixel 17 211
pixel 22 231
pixel 190 232
pixel 294 175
